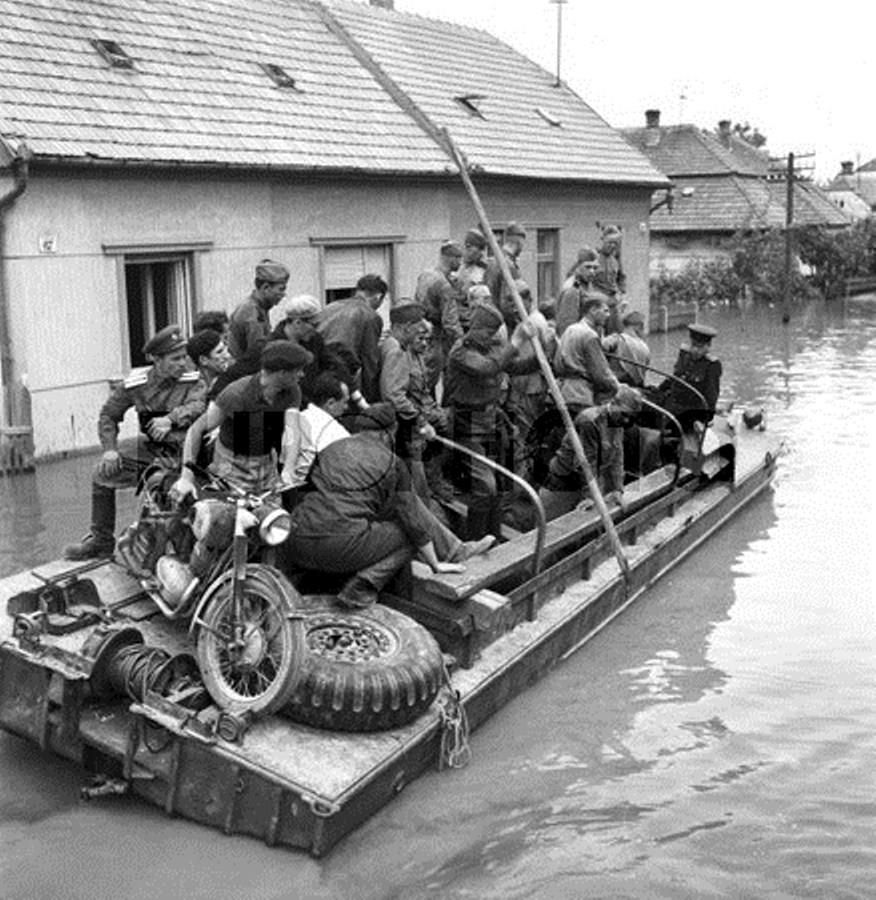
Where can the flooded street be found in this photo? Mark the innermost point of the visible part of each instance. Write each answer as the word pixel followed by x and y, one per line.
pixel 717 740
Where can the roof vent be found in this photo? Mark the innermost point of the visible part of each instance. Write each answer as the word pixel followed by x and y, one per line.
pixel 848 167
pixel 469 102
pixel 550 118
pixel 113 53
pixel 279 76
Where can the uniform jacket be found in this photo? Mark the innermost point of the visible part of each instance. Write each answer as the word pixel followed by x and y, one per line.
pixel 704 374
pixel 493 277
pixel 248 332
pixel 438 295
pixel 630 350
pixel 582 369
pixel 182 400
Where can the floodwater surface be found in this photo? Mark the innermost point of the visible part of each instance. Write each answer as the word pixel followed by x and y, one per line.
pixel 717 740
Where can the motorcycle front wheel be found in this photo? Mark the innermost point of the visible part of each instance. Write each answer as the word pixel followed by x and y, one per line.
pixel 251 662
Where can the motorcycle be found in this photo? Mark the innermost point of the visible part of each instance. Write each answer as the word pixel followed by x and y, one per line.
pixel 211 562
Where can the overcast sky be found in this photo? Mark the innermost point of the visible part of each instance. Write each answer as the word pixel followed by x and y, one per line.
pixel 803 74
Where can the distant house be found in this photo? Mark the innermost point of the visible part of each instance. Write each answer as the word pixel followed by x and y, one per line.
pixel 854 191
pixel 722 185
pixel 172 145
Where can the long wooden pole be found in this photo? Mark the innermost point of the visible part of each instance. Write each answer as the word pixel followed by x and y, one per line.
pixel 547 371
pixel 789 238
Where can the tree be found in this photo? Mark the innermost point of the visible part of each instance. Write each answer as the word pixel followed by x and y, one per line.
pixel 749 135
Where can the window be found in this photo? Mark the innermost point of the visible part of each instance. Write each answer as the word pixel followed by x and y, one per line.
pixel 548 263
pixel 344 265
pixel 158 292
pixel 113 54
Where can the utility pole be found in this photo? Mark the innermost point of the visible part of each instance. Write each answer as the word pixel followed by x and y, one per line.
pixel 789 173
pixel 559 4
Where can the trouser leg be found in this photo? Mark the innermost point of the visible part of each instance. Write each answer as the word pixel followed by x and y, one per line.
pixel 103 513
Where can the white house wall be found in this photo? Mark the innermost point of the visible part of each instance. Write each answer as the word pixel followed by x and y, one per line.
pixel 66 314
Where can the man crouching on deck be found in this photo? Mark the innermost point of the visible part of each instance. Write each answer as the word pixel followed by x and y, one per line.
pixel 250 414
pixel 362 517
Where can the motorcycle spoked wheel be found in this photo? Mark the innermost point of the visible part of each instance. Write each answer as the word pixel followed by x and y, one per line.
pixel 260 675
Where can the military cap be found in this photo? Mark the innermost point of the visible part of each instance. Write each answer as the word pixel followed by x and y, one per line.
pixel 268 270
pixel 451 248
pixel 515 229
pixel 633 317
pixel 485 315
pixel 167 340
pixel 475 238
pixel 611 232
pixel 284 355
pixel 203 343
pixel 303 306
pixel 701 334
pixel 587 254
pixel 406 312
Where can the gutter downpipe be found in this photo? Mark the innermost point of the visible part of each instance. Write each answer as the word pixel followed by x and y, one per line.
pixel 20 167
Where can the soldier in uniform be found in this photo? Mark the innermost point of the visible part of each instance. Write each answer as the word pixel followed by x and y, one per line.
pixel 610 278
pixel 470 273
pixel 572 297
pixel 512 247
pixel 168 398
pixel 437 295
pixel 697 367
pixel 250 325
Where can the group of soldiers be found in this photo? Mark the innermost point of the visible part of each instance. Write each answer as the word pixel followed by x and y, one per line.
pixel 340 416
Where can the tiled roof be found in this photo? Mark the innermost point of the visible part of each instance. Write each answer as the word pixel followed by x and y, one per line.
pixel 434 62
pixel 862 183
pixel 687 150
pixel 197 93
pixel 733 202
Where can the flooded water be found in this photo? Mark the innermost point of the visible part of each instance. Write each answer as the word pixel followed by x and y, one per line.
pixel 717 740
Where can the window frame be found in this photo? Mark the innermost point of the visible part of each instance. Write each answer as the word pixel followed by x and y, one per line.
pixel 391 240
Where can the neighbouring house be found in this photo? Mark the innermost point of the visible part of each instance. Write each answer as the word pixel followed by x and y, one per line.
pixel 721 185
pixel 854 191
pixel 155 151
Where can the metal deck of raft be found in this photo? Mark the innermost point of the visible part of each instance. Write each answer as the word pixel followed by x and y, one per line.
pixel 292 785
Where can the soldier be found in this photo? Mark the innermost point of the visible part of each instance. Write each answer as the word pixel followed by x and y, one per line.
pixel 572 297
pixel 629 350
pixel 512 247
pixel 610 279
pixel 696 366
pixel 356 324
pixel 437 294
pixel 470 273
pixel 250 325
pixel 168 398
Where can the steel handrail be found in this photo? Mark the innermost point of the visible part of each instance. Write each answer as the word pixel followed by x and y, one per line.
pixel 541 525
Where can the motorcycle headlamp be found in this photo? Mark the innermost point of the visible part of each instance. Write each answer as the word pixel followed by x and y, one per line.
pixel 275 525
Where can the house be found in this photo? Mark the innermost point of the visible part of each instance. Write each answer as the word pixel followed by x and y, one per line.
pixel 722 185
pixel 853 191
pixel 155 151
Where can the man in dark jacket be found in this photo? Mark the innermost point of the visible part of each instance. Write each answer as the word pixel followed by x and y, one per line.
pixel 697 367
pixel 363 518
pixel 249 325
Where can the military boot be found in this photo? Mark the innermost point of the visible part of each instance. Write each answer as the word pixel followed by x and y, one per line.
pixel 100 541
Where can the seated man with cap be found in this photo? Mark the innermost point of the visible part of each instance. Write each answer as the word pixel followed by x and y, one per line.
pixel 698 368
pixel 250 325
pixel 168 397
pixel 601 430
pixel 362 518
pixel 512 246
pixel 436 293
pixel 251 416
pixel 580 287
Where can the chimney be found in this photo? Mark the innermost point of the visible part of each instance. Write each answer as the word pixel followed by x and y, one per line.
pixel 724 132
pixel 383 4
pixel 652 127
pixel 848 168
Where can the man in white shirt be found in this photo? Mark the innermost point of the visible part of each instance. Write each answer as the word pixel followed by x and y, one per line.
pixel 310 431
